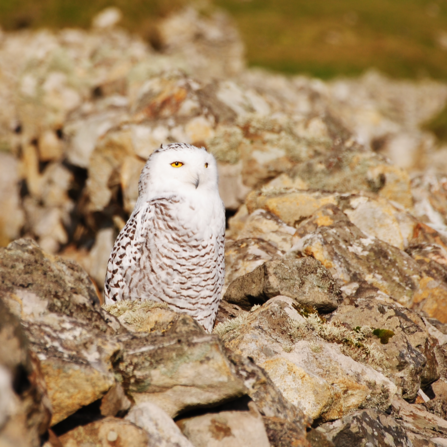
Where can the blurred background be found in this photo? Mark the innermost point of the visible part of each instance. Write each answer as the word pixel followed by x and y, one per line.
pixel 88 89
pixel 402 38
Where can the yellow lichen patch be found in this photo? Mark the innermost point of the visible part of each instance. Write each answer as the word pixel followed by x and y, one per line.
pixel 323 221
pixel 311 392
pixel 199 129
pixel 432 299
pixel 348 395
pixel 317 251
pixel 141 316
pixel 71 386
pixel 293 207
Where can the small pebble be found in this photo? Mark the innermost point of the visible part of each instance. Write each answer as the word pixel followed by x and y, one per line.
pixel 112 436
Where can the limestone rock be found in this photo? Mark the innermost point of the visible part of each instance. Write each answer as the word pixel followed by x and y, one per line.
pixel 25 410
pixel 244 255
pixel 351 257
pixel 83 128
pixel 226 428
pixel 310 372
pixel 68 331
pixel 195 38
pixel 432 259
pixel 13 217
pixel 115 401
pixel 181 369
pixel 264 225
pixel 366 428
pixel 430 196
pixel 227 311
pixel 418 422
pixel 402 337
pixel 351 171
pixel 161 428
pixel 37 285
pixel 285 423
pixel 375 216
pixel 231 188
pixel 108 432
pixel 143 316
pixel 289 205
pixel 107 18
pixel 304 279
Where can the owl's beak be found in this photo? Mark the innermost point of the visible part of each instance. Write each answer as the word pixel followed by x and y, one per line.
pixel 197 182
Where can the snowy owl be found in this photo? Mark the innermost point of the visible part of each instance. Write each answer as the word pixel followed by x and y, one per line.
pixel 171 249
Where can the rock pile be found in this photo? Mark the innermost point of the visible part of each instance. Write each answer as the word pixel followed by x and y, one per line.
pixel 333 325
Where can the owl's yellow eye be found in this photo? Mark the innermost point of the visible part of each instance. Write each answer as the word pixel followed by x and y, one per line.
pixel 177 164
pixel 206 165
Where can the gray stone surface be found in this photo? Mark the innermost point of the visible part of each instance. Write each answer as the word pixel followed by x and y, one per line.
pixel 303 279
pixel 161 428
pixel 364 429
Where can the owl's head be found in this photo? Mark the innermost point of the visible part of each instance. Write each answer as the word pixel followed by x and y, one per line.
pixel 178 168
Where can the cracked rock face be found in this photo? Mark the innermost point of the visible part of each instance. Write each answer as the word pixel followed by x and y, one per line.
pixel 311 373
pixel 182 370
pixel 25 410
pixel 364 428
pixel 303 279
pixel 351 256
pixel 67 329
pixel 407 347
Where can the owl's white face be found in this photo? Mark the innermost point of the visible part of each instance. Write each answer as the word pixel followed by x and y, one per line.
pixel 179 169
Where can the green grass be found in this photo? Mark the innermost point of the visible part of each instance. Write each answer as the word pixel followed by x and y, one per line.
pixel 438 125
pixel 343 37
pixel 323 38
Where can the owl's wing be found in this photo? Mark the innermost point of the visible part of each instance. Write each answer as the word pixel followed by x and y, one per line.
pixel 132 249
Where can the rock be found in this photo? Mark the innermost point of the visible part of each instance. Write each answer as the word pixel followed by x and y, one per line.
pixel 226 428
pixel 67 329
pixel 83 128
pixel 351 171
pixel 430 197
pixel 317 439
pixel 418 422
pixel 244 255
pixel 161 428
pixel 115 401
pixel 351 256
pixel 50 146
pixel 100 253
pixel 143 316
pixel 105 161
pixel 107 18
pixel 285 423
pixel 231 188
pixel 263 225
pixel 13 216
pixel 366 428
pixel 432 259
pixel 108 432
pixel 310 372
pixel 36 285
pixel 305 280
pixel 400 335
pixel 227 312
pixel 195 38
pixel 288 205
pixel 375 216
pixel 25 410
pixel 186 369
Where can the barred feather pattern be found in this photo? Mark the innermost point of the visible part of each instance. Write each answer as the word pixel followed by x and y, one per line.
pixel 160 256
